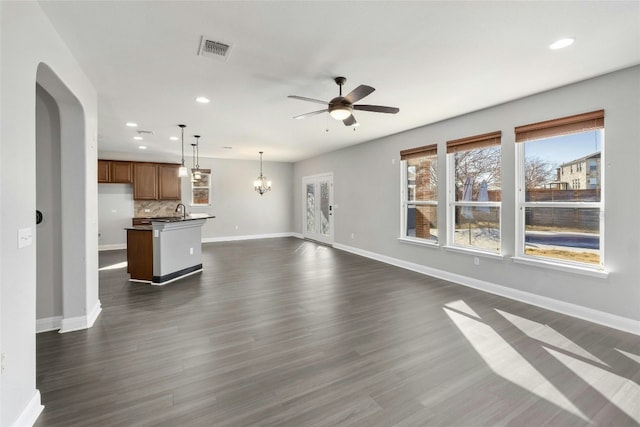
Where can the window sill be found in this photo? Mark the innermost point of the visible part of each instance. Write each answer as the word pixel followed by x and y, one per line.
pixel 474 252
pixel 576 269
pixel 419 242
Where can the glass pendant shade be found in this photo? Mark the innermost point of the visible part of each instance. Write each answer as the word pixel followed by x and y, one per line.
pixel 340 113
pixel 182 172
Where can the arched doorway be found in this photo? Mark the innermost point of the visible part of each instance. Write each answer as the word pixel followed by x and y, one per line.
pixel 66 294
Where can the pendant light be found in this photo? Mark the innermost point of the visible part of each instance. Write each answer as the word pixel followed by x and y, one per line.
pixel 193 153
pixel 261 185
pixel 196 173
pixel 182 172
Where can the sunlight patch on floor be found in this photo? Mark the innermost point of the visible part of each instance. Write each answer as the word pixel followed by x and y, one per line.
pixel 462 307
pixel 114 266
pixel 621 391
pixel 634 357
pixel 505 361
pixel 548 335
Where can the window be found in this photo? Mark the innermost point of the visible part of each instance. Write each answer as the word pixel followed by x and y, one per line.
pixel 420 194
pixel 201 187
pixel 562 224
pixel 474 194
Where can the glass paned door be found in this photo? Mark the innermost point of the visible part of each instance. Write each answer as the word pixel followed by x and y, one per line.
pixel 318 208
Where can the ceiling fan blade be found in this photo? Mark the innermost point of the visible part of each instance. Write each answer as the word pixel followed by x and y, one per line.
pixel 302 98
pixel 350 121
pixel 376 108
pixel 313 113
pixel 358 93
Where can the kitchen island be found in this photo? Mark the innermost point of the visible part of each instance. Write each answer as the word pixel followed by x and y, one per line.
pixel 166 250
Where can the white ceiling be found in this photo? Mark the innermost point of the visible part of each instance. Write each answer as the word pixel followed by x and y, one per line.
pixel 433 60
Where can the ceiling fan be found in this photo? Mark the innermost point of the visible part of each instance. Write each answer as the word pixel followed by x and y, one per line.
pixel 341 107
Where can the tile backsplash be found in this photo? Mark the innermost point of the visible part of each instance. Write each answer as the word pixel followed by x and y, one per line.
pixel 155 208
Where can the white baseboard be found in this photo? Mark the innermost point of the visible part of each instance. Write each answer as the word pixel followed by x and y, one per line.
pixel 71 324
pixel 47 324
pixel 112 247
pixel 574 310
pixel 246 237
pixel 31 412
pixel 94 313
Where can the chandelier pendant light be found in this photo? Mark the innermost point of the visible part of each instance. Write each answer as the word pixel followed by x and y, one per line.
pixel 182 171
pixel 261 185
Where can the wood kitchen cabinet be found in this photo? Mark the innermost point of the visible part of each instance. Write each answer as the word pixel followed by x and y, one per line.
pixel 104 171
pixel 156 181
pixel 113 171
pixel 121 172
pixel 145 181
pixel 169 183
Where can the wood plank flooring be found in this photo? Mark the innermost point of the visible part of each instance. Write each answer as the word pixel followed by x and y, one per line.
pixel 286 332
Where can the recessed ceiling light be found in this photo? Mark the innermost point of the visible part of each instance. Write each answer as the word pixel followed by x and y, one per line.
pixel 173 138
pixel 131 124
pixel 203 100
pixel 226 147
pixel 142 147
pixel 562 43
pixel 138 138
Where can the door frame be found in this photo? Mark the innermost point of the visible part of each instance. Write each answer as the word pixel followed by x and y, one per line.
pixel 326 239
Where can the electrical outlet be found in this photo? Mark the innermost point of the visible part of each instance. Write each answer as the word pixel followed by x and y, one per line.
pixel 476 260
pixel 353 235
pixel 2 364
pixel 190 251
pixel 147 210
pixel 237 227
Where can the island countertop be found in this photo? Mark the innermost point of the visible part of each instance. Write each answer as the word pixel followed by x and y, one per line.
pixel 167 219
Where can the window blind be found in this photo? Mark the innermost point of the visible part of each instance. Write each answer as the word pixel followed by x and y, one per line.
pixel 564 126
pixel 474 142
pixel 412 153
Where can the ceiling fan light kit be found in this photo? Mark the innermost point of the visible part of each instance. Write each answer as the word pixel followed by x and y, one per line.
pixel 341 107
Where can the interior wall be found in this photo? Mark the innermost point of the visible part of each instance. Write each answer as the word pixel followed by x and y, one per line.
pixel 115 210
pixel 371 209
pixel 48 197
pixel 240 212
pixel 27 41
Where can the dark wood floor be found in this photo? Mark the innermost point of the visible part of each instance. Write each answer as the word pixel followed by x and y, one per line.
pixel 285 332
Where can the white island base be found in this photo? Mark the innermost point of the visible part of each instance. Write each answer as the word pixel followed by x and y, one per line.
pixel 177 249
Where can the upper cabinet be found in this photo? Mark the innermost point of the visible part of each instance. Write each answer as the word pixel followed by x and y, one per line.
pixel 169 185
pixel 122 172
pixel 113 171
pixel 151 181
pixel 145 181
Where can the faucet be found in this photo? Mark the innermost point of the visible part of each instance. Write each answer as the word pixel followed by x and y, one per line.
pixel 184 210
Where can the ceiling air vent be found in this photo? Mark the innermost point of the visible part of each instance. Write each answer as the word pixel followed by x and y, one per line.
pixel 214 49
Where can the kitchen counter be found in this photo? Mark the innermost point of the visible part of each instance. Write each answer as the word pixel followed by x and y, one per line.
pixel 166 250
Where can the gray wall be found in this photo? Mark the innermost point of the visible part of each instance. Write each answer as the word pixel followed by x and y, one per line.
pixel 367 182
pixel 115 210
pixel 48 196
pixel 33 51
pixel 240 211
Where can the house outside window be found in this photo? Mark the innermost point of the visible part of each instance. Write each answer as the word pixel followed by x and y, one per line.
pixel 562 224
pixel 419 210
pixel 474 193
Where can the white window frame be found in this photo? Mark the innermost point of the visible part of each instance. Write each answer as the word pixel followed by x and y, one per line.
pixel 404 208
pixel 597 270
pixel 208 187
pixel 451 212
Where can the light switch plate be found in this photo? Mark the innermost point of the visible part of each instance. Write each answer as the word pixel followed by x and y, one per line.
pixel 24 237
